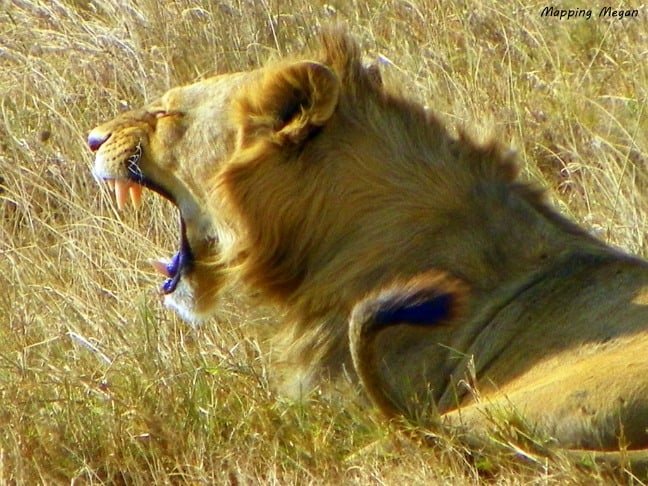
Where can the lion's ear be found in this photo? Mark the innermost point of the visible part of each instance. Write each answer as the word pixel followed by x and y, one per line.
pixel 430 299
pixel 289 103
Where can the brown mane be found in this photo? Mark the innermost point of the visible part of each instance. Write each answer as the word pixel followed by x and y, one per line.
pixel 276 257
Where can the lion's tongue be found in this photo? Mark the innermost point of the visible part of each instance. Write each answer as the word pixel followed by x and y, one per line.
pixel 162 267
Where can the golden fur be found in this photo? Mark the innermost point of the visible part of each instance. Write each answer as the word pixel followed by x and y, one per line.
pixel 396 250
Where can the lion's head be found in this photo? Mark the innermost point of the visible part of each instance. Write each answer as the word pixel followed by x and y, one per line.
pixel 174 146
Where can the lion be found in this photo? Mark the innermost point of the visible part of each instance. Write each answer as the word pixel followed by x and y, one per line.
pixel 401 254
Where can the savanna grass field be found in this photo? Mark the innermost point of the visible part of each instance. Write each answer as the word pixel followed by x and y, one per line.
pixel 99 384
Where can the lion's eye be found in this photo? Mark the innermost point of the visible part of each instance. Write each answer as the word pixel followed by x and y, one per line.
pixel 164 114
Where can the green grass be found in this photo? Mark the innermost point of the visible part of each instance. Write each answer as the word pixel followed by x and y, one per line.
pixel 100 384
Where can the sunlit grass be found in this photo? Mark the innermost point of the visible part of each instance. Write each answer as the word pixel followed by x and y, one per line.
pixel 99 384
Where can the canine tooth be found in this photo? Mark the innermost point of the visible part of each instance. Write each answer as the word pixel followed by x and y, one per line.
pixel 121 193
pixel 111 183
pixel 135 192
pixel 161 266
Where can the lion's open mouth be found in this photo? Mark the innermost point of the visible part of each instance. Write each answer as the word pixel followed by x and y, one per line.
pixel 130 189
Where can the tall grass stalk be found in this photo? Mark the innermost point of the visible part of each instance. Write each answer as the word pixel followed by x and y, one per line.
pixel 99 384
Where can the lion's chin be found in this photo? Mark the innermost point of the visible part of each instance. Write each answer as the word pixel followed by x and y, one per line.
pixel 185 303
pixel 182 303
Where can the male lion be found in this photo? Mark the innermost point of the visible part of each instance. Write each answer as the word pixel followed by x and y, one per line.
pixel 361 216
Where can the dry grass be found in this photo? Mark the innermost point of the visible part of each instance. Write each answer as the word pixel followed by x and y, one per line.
pixel 99 384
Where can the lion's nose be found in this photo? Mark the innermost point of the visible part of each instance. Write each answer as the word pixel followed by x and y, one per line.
pixel 96 140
